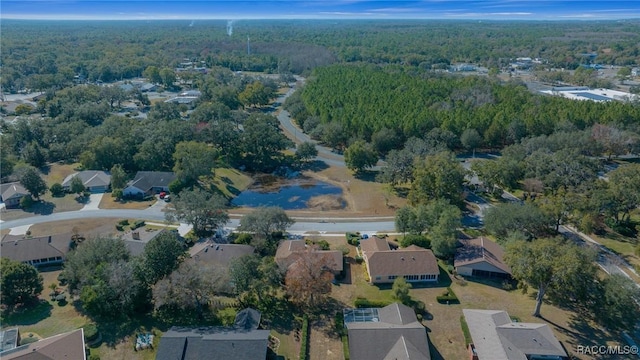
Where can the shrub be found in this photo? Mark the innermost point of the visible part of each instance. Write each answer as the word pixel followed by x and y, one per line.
pixel 90 332
pixel 119 227
pixel 123 222
pixel 419 307
pixel 419 317
pixel 448 297
pixel 28 340
pixel 366 303
pixel 117 194
pixel 94 357
pixel 323 244
pixel 137 224
pixel 62 279
pixel 415 239
pixel 341 331
pixel 26 202
pixel 56 190
pixel 359 259
pixel 304 341
pixel 353 238
pixel 242 238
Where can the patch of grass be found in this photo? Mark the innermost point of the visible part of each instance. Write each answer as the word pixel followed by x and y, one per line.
pixel 230 182
pixel 465 331
pixel 85 227
pixel 55 173
pixel 108 202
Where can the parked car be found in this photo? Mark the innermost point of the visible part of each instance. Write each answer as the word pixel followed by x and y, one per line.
pixel 162 195
pixel 167 198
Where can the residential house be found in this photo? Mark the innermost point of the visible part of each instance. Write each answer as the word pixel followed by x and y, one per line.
pixel 136 240
pixel 148 87
pixel 481 257
pixel 391 332
pixel 290 251
pixel 12 193
pixel 244 341
pixel 496 337
pixel 37 251
pixel 149 183
pixel 94 181
pixel 69 345
pixel 219 254
pixel 385 265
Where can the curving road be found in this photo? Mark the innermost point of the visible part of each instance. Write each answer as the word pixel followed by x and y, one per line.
pixel 294 133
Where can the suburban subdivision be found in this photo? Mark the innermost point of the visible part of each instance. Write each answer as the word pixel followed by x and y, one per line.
pixel 319 189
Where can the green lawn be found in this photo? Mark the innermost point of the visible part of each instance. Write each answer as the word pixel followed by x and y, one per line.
pixel 230 182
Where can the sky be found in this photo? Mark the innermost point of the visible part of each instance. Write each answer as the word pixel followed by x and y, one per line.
pixel 325 9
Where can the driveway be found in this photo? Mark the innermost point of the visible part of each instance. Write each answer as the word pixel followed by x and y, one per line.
pixel 93 202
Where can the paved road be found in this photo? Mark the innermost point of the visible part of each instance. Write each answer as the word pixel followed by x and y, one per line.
pixel 294 133
pixel 155 214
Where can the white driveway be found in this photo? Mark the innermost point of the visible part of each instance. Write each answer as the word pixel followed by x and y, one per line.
pixel 93 202
pixel 20 230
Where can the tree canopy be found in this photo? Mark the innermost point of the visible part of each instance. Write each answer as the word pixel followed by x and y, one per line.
pixel 205 211
pixel 21 283
pixel 554 267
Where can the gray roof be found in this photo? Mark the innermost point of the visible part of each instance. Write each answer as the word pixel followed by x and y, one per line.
pixel 23 249
pixel 221 254
pixel 10 190
pixel 90 178
pixel 247 319
pixel 496 337
pixel 146 180
pixel 396 335
pixel 214 343
pixel 480 250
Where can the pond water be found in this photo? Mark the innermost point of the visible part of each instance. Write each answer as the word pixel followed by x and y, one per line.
pixel 291 195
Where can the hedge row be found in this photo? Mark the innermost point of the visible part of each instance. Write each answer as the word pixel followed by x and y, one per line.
pixel 304 341
pixel 353 238
pixel 366 303
pixel 137 224
pixel 342 331
pixel 448 297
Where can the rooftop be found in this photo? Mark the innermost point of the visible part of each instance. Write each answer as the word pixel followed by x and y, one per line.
pixel 478 250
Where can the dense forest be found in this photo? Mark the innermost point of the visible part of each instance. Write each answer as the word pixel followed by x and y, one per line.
pixel 363 100
pixel 41 54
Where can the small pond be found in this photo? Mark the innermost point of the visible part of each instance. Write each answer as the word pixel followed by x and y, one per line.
pixel 291 194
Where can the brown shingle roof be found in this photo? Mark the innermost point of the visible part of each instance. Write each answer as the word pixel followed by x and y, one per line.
pixel 20 249
pixel 65 346
pixel 222 254
pixel 479 250
pixel 373 244
pixel 409 261
pixel 291 251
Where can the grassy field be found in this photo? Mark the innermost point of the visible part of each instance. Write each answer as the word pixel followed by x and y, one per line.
pixel 108 202
pixel 85 227
pixel 230 182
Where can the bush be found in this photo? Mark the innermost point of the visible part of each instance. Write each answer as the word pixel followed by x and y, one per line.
pixel 242 238
pixel 94 357
pixel 124 222
pixel 119 227
pixel 90 332
pixel 359 259
pixel 419 307
pixel 26 202
pixel 353 238
pixel 448 297
pixel 366 303
pixel 62 279
pixel 323 244
pixel 304 341
pixel 414 239
pixel 137 224
pixel 56 190
pixel 117 194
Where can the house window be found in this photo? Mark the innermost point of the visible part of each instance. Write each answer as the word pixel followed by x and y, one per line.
pixel 412 277
pixel 392 277
pixel 378 277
